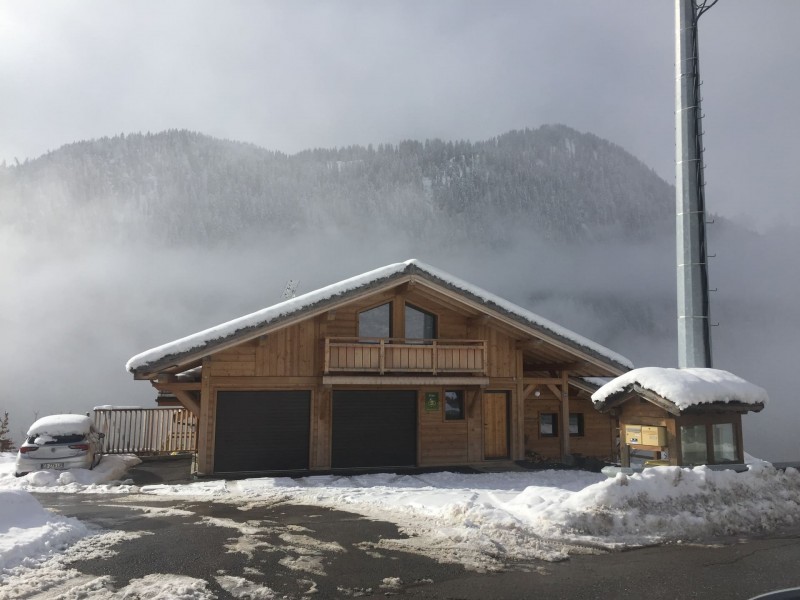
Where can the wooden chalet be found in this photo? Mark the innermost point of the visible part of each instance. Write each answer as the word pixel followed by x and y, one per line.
pixel 680 417
pixel 401 366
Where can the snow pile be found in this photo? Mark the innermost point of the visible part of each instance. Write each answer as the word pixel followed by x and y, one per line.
pixel 686 387
pixel 28 532
pixel 483 520
pixel 104 478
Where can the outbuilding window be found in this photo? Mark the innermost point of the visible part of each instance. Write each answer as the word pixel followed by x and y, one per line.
pixel 694 449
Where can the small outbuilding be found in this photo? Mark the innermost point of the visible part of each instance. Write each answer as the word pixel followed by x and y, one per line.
pixel 680 416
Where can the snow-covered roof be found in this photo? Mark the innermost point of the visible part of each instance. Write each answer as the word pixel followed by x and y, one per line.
pixel 343 288
pixel 61 425
pixel 686 388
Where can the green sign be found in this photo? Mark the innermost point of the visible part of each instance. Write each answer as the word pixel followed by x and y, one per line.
pixel 431 401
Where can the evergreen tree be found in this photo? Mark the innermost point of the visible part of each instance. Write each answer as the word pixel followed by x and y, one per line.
pixel 6 443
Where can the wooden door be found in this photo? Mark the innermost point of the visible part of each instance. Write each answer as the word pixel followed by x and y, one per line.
pixel 495 425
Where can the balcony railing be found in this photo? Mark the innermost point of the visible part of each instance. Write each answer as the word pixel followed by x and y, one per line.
pixel 393 355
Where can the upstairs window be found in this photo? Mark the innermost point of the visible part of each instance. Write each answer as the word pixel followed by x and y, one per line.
pixel 376 322
pixel 420 325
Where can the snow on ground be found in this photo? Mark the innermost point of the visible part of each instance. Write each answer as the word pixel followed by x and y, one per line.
pixel 482 520
pixel 105 478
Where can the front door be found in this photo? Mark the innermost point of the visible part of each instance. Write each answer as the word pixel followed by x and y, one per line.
pixel 495 425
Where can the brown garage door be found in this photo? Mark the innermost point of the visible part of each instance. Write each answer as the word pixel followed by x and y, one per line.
pixel 262 431
pixel 374 428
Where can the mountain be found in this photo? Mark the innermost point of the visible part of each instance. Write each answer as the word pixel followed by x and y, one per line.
pixel 184 187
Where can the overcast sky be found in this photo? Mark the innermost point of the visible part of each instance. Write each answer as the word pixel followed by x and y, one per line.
pixel 293 75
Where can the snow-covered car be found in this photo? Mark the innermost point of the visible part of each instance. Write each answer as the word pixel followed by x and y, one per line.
pixel 60 442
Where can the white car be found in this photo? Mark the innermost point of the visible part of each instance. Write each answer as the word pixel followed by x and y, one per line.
pixel 60 442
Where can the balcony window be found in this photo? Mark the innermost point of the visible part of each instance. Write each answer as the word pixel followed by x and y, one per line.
pixel 453 405
pixel 420 325
pixel 376 322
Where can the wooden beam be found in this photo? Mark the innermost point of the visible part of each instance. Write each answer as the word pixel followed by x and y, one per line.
pixel 189 401
pixel 541 381
pixel 565 453
pixel 184 386
pixel 377 380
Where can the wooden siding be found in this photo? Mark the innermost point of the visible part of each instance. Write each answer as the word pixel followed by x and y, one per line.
pixel 443 442
pixel 598 429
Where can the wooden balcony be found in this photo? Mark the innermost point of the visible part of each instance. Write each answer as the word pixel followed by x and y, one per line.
pixel 393 355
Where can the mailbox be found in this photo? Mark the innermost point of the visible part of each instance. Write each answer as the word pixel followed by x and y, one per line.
pixel 633 434
pixel 654 436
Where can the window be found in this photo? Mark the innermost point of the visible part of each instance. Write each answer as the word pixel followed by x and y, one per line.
pixel 420 325
pixel 576 424
pixel 693 445
pixel 453 405
pixel 724 437
pixel 548 424
pixel 376 322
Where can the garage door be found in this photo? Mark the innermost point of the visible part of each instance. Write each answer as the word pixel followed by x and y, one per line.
pixel 262 431
pixel 374 429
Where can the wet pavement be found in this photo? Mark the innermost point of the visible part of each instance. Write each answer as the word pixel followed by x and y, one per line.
pixel 307 551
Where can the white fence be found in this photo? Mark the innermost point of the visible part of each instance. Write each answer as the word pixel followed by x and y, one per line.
pixel 147 431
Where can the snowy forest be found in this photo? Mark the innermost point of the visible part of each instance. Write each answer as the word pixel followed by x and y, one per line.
pixel 183 187
pixel 116 245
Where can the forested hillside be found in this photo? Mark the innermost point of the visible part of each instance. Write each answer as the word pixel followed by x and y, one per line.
pixel 183 187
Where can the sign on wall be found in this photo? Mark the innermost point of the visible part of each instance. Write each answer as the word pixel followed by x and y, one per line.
pixel 431 401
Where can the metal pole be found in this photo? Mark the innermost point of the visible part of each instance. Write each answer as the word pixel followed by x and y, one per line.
pixel 694 338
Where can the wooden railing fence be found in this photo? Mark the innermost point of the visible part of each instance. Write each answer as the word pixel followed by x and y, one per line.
pixel 147 431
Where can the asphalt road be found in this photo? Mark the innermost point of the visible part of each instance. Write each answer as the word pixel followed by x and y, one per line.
pixel 304 551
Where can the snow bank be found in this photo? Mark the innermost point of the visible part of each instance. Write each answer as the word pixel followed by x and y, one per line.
pixel 28 532
pixel 686 387
pixel 104 478
pixel 483 520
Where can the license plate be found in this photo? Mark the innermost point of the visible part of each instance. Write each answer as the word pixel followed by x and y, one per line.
pixel 53 465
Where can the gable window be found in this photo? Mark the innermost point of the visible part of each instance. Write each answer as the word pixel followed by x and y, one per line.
pixel 453 405
pixel 420 325
pixel 576 424
pixel 548 424
pixel 376 322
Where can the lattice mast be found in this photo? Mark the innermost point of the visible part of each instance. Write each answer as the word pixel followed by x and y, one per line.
pixel 694 337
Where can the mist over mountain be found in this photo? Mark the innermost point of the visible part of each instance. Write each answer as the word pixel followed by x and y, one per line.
pixel 183 187
pixel 113 246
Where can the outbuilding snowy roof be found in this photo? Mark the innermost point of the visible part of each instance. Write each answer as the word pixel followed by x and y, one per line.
pixel 341 290
pixel 685 388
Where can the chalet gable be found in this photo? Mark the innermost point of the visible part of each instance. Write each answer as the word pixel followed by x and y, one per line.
pixel 546 345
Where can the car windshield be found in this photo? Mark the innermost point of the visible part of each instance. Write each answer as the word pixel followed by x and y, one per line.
pixel 55 439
